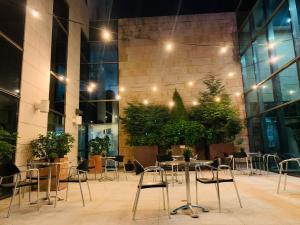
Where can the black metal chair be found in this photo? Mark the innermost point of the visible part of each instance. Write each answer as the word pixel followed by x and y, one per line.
pixel 11 171
pixel 76 175
pixel 215 178
pixel 285 169
pixel 163 183
pixel 120 161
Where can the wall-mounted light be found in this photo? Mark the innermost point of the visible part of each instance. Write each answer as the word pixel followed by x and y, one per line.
pixel 77 120
pixel 43 106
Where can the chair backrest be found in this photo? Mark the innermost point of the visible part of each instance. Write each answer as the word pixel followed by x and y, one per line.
pixel 138 167
pixel 119 158
pixel 84 165
pixel 8 169
pixel 164 158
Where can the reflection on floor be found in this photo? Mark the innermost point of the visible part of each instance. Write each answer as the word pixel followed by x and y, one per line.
pixel 112 204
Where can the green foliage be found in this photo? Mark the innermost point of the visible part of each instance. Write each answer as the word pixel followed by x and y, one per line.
pixel 178 111
pixel 143 123
pixel 7 145
pixel 187 153
pixel 182 132
pixel 99 146
pixel 52 145
pixel 220 119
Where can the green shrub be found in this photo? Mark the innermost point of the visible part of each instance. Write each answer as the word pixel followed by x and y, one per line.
pixel 99 146
pixel 178 111
pixel 7 145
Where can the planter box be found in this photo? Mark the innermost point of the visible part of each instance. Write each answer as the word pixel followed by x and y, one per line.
pixel 146 155
pixel 217 150
pixel 98 160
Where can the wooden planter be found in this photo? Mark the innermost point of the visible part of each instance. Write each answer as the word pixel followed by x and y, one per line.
pixel 146 155
pixel 63 171
pixel 97 161
pixel 217 150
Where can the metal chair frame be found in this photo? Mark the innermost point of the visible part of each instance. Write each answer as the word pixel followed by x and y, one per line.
pixel 216 180
pixel 284 170
pixel 140 185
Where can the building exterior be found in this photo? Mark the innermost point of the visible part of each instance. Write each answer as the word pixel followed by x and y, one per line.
pixel 269 53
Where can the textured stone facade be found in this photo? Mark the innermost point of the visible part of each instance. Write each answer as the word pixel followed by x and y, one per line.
pixel 202 44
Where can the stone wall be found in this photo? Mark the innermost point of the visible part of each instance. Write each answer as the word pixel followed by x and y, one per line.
pixel 203 44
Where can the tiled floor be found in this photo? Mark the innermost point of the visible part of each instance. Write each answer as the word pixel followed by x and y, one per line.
pixel 112 203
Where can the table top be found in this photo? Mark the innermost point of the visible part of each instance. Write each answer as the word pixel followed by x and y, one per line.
pixel 40 163
pixel 182 162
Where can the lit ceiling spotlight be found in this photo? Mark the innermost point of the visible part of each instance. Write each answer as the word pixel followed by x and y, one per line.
pixel 67 79
pixel 195 103
pixel 288 20
pixel 217 99
pixel 223 49
pixel 146 102
pixel 231 74
pixel 237 94
pixel 191 83
pixel 61 78
pixel 34 13
pixel 122 89
pixel 154 88
pixel 254 87
pixel 169 46
pixel 291 92
pixel 271 45
pixel 171 104
pixel 106 35
pixel 273 59
pixel 17 91
pixel 118 97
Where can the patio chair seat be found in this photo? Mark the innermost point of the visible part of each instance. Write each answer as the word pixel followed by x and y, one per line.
pixel 154 185
pixel 73 180
pixel 213 180
pixel 20 184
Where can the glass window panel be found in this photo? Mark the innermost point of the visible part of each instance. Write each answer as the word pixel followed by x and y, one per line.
pixel 248 69
pixel 271 138
pixel 255 134
pixel 12 19
pixel 56 122
pixel 261 58
pixel 252 105
pixel 258 16
pixel 280 34
pixel 244 36
pixel 272 5
pixel 267 94
pixel 8 112
pixel 10 66
pixel 57 95
pixel 61 9
pixel 103 52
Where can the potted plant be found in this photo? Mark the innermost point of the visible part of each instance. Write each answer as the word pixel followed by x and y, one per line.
pixel 221 121
pixel 143 124
pixel 53 147
pixel 187 154
pixel 129 166
pixel 98 147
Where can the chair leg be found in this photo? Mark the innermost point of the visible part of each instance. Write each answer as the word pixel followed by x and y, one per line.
pixel 11 199
pixel 196 192
pixel 79 182
pixel 88 185
pixel 237 193
pixel 218 193
pixel 164 201
pixel 67 190
pixel 136 202
pixel 279 181
pixel 168 201
pixel 285 178
pixel 125 172
pixel 20 193
pixel 38 194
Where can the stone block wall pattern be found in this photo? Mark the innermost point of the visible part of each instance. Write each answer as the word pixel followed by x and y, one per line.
pixel 197 42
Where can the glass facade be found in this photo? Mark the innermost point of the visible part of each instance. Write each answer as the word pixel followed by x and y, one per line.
pixel 100 106
pixel 269 51
pixel 59 49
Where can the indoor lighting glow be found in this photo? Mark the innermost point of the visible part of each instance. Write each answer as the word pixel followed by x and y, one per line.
pixel 61 78
pixel 273 59
pixel 230 74
pixel 122 89
pixel 271 45
pixel 106 35
pixel 90 89
pixel 191 84
pixel 154 88
pixel 34 13
pixel 291 92
pixel 169 46
pixel 264 86
pixel 118 97
pixel 145 102
pixel 92 85
pixel 67 79
pixel 223 50
pixel 217 99
pixel 195 103
pixel 17 91
pixel 254 87
pixel 288 20
pixel 237 94
pixel 171 104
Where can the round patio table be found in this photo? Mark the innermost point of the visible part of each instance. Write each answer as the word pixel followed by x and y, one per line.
pixel 188 206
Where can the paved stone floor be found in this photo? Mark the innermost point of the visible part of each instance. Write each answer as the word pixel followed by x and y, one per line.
pixel 112 203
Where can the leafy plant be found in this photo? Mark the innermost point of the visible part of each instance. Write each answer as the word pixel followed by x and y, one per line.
pixel 182 133
pixel 143 123
pixel 187 154
pixel 216 114
pixel 99 146
pixel 7 145
pixel 52 145
pixel 178 111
